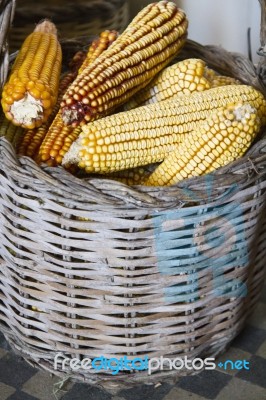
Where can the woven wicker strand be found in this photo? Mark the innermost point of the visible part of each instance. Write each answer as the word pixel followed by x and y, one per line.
pixel 7 9
pixel 92 267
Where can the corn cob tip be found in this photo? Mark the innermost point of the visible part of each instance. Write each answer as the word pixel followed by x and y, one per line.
pixel 26 110
pixel 242 111
pixel 46 26
pixel 75 113
pixel 72 156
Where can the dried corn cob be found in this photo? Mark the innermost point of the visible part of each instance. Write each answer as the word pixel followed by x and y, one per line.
pixel 221 80
pixel 98 46
pixel 216 80
pixel 32 88
pixel 183 77
pixel 31 141
pixel 33 138
pixel 222 138
pixel 147 134
pixel 11 132
pixel 147 45
pixel 59 137
pixel 77 60
pixel 132 176
pixel 57 141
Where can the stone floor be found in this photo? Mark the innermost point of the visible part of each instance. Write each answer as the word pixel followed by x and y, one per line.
pixel 19 381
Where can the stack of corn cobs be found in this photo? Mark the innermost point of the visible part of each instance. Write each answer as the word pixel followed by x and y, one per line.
pixel 125 110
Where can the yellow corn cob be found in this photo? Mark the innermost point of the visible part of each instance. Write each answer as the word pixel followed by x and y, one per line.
pixel 180 78
pixel 222 138
pixel 57 141
pixel 216 80
pixel 33 138
pixel 147 134
pixel 221 80
pixel 132 176
pixel 147 45
pixel 11 132
pixel 183 77
pixel 59 137
pixel 98 46
pixel 31 141
pixel 32 88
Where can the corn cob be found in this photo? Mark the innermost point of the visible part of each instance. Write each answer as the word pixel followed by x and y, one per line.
pixel 11 132
pixel 98 46
pixel 132 176
pixel 32 88
pixel 146 46
pixel 77 61
pixel 147 134
pixel 221 80
pixel 59 137
pixel 183 77
pixel 33 138
pixel 222 138
pixel 31 141
pixel 216 80
pixel 57 141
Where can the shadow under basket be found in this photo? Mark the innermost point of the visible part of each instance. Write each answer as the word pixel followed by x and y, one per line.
pixel 92 267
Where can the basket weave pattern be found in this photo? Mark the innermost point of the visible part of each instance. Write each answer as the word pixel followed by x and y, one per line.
pixel 93 267
pixel 73 18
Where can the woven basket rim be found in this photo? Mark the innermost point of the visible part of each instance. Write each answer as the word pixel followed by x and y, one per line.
pixel 225 182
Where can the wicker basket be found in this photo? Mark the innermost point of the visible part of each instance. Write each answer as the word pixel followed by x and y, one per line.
pixel 73 18
pixel 96 268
